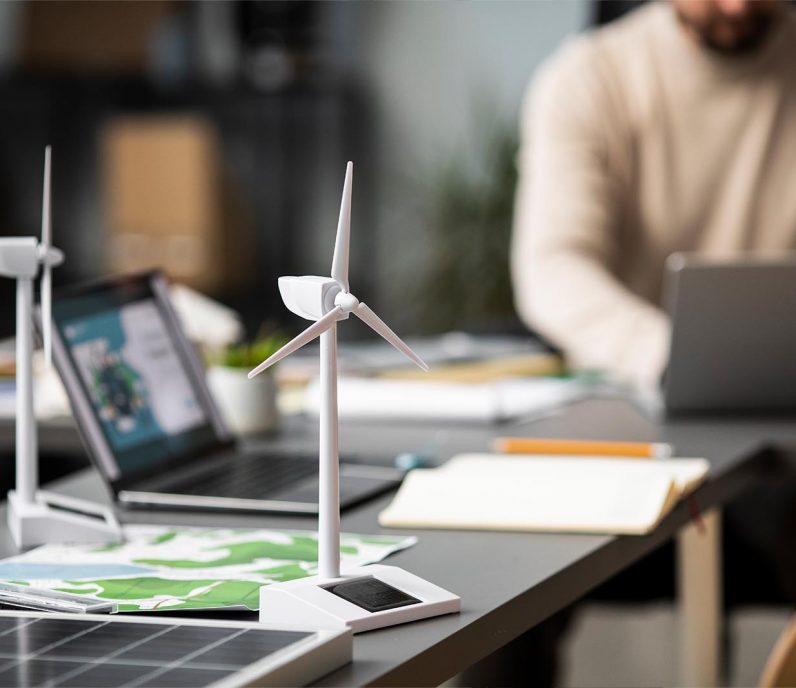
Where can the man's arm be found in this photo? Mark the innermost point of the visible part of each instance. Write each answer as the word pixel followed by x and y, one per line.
pixel 569 207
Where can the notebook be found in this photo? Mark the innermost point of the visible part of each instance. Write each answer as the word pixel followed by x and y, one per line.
pixel 544 493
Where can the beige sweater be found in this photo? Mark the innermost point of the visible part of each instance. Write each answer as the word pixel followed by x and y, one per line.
pixel 637 143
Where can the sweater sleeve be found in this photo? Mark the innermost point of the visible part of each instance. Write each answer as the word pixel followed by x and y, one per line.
pixel 568 211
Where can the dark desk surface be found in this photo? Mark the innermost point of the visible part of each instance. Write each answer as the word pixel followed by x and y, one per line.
pixel 508 582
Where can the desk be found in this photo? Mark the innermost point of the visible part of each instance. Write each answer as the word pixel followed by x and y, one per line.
pixel 530 576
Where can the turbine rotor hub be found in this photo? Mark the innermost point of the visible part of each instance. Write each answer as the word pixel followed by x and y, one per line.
pixel 347 301
pixel 49 255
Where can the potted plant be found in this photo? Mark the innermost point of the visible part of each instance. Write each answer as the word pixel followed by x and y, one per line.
pixel 469 232
pixel 247 406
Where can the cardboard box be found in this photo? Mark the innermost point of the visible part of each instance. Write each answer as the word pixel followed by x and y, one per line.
pixel 165 204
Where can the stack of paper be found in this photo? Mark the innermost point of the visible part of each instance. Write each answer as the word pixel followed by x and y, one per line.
pixel 409 399
pixel 544 493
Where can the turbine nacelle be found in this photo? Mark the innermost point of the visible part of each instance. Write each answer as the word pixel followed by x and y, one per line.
pixel 22 256
pixel 309 296
pixel 312 297
pixel 19 257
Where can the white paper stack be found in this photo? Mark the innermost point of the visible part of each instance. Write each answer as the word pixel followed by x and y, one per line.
pixel 408 399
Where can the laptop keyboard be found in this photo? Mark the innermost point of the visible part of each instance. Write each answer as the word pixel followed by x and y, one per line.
pixel 249 477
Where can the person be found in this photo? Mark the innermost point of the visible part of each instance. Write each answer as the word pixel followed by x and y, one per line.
pixel 671 129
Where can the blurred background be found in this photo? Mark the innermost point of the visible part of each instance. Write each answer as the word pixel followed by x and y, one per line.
pixel 210 138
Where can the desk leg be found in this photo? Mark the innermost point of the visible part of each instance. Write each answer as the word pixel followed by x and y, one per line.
pixel 700 592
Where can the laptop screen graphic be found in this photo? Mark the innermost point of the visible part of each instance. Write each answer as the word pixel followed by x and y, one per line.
pixel 139 388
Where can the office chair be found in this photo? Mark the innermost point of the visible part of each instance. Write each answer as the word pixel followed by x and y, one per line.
pixel 780 669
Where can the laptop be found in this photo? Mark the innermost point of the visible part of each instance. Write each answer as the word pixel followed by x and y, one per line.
pixel 148 420
pixel 733 345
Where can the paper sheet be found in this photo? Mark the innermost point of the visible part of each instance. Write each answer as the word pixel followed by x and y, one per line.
pixel 168 568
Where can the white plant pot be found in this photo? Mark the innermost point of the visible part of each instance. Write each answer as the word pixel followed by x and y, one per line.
pixel 247 406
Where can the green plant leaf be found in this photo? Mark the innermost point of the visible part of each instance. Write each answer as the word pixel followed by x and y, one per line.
pixel 248 354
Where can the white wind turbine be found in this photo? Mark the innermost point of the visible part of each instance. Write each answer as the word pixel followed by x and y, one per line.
pixel 371 596
pixel 35 516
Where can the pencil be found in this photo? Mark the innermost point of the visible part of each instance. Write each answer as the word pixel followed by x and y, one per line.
pixel 529 445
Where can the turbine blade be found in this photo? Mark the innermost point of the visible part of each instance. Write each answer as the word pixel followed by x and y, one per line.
pixel 343 239
pixel 46 218
pixel 376 323
pixel 315 330
pixel 45 286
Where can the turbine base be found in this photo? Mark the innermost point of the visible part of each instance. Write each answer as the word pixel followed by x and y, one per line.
pixel 363 598
pixel 57 518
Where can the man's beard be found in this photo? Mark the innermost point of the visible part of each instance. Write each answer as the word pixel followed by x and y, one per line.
pixel 755 29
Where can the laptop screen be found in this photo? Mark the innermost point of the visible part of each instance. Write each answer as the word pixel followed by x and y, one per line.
pixel 140 389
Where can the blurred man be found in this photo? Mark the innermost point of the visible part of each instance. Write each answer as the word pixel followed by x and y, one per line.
pixel 672 129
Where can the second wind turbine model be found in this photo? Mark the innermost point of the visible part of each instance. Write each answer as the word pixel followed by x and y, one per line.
pixel 365 597
pixel 35 516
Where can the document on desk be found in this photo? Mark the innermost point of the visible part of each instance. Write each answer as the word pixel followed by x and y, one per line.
pixel 543 493
pixel 499 400
pixel 182 569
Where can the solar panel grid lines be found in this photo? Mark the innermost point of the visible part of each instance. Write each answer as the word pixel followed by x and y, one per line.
pixel 180 662
pixel 14 624
pixel 24 638
pixel 151 669
pixel 82 669
pixel 56 650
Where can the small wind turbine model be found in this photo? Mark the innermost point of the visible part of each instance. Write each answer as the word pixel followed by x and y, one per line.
pixel 34 516
pixel 365 597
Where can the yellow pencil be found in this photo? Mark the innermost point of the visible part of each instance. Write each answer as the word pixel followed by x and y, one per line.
pixel 529 445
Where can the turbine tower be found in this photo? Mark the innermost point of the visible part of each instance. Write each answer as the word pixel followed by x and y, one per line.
pixel 327 301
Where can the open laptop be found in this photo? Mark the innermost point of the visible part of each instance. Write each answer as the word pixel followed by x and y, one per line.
pixel 733 344
pixel 140 399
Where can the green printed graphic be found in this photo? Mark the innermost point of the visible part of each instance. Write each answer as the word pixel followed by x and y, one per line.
pixel 280 574
pixel 160 539
pixel 172 594
pixel 301 549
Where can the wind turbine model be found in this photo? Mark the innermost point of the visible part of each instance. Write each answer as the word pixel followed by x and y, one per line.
pixel 34 516
pixel 365 597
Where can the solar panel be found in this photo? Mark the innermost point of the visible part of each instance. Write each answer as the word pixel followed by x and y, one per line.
pixel 101 650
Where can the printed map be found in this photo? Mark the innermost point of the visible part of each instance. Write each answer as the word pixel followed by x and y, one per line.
pixel 166 568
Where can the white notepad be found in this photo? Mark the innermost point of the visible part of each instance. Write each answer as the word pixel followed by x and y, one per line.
pixel 543 493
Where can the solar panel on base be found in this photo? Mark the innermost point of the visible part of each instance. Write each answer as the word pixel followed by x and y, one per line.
pixel 100 650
